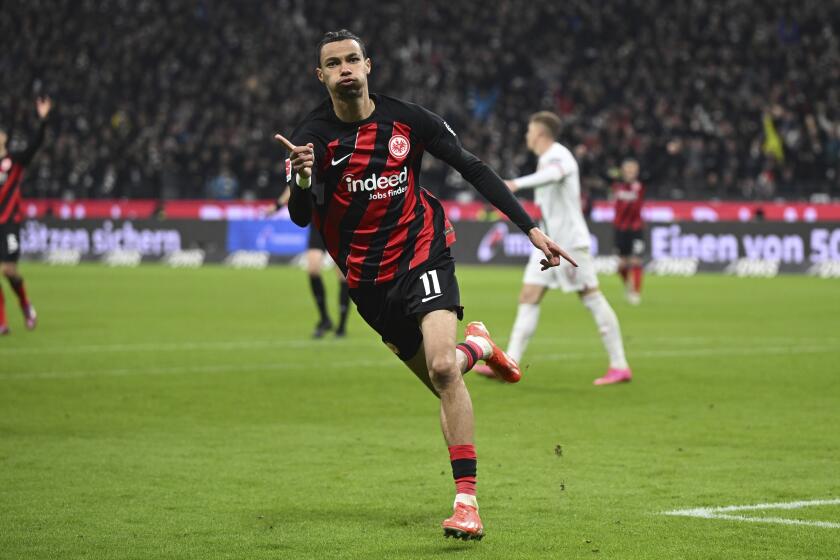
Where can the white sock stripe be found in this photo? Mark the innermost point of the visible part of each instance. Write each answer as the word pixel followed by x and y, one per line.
pixel 482 343
pixel 468 499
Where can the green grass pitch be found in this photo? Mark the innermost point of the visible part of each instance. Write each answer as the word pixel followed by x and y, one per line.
pixel 161 413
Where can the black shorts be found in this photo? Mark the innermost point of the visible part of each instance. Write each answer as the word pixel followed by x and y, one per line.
pixel 315 240
pixel 394 308
pixel 9 242
pixel 630 243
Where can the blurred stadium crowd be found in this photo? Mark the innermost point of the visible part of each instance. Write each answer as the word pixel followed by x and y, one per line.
pixel 179 99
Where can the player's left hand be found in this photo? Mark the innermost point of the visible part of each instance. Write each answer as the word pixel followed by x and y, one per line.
pixel 511 185
pixel 552 251
pixel 43 105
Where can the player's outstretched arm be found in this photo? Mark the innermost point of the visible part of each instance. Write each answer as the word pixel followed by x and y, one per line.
pixel 300 201
pixel 541 178
pixel 442 142
pixel 43 106
pixel 496 191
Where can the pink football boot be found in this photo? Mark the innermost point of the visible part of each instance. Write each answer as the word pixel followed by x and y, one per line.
pixel 615 375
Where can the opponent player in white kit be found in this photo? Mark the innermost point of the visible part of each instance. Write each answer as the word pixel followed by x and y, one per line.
pixel 556 185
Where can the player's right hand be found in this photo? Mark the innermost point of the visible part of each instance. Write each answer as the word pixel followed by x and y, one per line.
pixel 302 157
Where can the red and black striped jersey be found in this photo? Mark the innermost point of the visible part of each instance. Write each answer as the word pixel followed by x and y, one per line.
pixel 11 175
pixel 629 198
pixel 376 220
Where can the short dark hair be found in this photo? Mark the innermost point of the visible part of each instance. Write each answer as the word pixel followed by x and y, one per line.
pixel 550 121
pixel 340 35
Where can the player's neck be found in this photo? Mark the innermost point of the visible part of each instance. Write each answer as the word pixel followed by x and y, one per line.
pixel 353 110
pixel 3 152
pixel 542 146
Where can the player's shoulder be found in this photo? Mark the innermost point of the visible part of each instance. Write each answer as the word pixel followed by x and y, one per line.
pixel 400 108
pixel 559 150
pixel 320 115
pixel 389 102
pixel 423 121
pixel 316 123
pixel 321 111
pixel 559 154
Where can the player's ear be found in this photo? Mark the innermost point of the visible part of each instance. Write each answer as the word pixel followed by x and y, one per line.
pixel 319 74
pixel 367 66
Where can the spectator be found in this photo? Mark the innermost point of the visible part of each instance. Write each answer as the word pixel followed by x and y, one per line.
pixel 150 93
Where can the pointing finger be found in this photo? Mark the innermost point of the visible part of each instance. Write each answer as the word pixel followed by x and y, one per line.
pixel 282 139
pixel 568 257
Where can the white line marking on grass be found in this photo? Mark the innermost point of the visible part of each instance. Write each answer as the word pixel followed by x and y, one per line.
pixel 172 346
pixel 218 368
pixel 696 352
pixel 69 347
pixel 724 513
pixel 567 357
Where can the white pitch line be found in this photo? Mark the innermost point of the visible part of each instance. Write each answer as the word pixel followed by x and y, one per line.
pixel 156 370
pixel 222 345
pixel 780 520
pixel 171 346
pixel 696 352
pixel 782 505
pixel 565 357
pixel 721 513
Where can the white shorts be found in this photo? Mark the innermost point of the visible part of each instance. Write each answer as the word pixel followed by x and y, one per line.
pixel 565 276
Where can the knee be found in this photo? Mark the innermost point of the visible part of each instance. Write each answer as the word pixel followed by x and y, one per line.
pixel 443 372
pixel 530 294
pixel 588 292
pixel 314 262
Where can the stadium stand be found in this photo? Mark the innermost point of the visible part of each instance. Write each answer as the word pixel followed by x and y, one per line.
pixel 178 99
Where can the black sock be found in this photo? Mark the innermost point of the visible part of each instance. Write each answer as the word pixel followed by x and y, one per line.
pixel 317 286
pixel 343 305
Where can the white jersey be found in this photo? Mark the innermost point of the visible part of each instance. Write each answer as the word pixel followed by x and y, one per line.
pixel 556 185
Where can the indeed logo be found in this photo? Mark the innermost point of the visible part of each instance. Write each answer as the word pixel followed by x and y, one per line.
pixel 376 182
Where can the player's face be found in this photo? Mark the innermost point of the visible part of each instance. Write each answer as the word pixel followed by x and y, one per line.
pixel 629 171
pixel 343 69
pixel 535 130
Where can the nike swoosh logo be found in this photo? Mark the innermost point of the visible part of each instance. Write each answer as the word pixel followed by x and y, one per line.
pixel 425 299
pixel 337 161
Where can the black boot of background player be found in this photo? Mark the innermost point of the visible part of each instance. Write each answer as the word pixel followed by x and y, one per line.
pixel 344 309
pixel 324 324
pixel 323 327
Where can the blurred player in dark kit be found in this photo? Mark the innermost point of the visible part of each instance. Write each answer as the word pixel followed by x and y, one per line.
pixel 12 166
pixel 315 256
pixel 629 196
